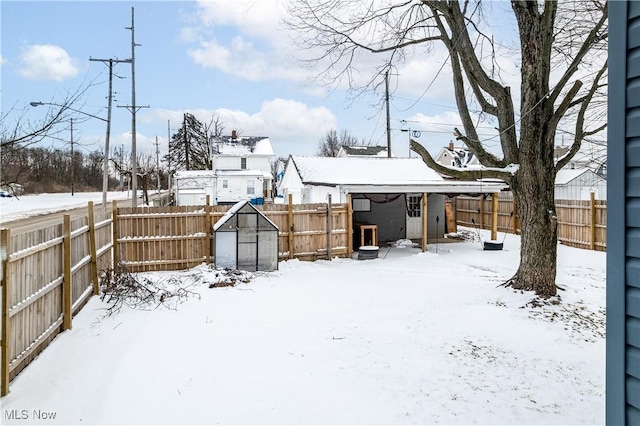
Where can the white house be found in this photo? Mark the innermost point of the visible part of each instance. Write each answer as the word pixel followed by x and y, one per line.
pixel 452 156
pixel 387 192
pixel 577 184
pixel 241 171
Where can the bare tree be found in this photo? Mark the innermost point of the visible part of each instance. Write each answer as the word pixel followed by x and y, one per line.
pixel 560 44
pixel 331 143
pixel 145 172
pixel 17 133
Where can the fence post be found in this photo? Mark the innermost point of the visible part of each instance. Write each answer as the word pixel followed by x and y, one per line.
pixel 494 216
pixel 114 232
pixel 5 246
pixel 592 239
pixel 92 249
pixel 329 219
pixel 290 225
pixel 424 222
pixel 66 284
pixel 482 211
pixel 207 225
pixel 349 227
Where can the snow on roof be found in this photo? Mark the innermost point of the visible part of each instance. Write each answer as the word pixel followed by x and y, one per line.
pixel 235 209
pixel 564 176
pixel 229 213
pixel 364 170
pixel 461 156
pixel 254 172
pixel 193 173
pixel 374 151
pixel 254 145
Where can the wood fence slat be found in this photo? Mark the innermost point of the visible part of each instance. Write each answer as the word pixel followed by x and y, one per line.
pixel 66 284
pixel 5 243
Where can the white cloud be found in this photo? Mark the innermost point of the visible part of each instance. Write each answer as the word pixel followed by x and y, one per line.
pixel 46 62
pixel 256 19
pixel 244 39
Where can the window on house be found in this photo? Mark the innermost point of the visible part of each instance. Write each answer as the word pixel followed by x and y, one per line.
pixel 225 184
pixel 243 163
pixel 251 187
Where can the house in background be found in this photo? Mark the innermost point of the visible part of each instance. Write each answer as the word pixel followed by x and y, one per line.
pixel 386 192
pixel 241 171
pixel 595 161
pixel 363 151
pixel 452 156
pixel 578 184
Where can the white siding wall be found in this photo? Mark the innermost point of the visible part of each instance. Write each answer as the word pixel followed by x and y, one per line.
pixel 237 188
pixel 580 188
pixel 234 163
pixel 318 194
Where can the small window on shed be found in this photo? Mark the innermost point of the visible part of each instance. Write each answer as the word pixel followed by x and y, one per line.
pixel 361 205
pixel 225 183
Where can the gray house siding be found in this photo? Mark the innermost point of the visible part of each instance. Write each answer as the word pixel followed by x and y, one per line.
pixel 623 241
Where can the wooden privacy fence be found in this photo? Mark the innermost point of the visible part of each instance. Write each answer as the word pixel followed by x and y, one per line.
pixel 48 274
pixel 581 224
pixel 179 237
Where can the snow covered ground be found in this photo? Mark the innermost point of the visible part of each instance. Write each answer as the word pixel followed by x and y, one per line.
pixel 407 338
pixel 15 208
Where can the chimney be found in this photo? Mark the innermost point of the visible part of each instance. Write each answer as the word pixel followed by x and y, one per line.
pixel 451 147
pixel 234 135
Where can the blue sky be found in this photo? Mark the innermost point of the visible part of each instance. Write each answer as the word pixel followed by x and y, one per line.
pixel 232 59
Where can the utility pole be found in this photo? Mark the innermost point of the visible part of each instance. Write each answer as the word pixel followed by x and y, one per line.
pixel 386 97
pixel 73 172
pixel 133 108
pixel 105 174
pixel 158 165
pixel 169 156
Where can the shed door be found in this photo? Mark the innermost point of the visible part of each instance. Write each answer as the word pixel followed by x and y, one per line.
pixel 247 241
pixel 414 216
pixel 226 249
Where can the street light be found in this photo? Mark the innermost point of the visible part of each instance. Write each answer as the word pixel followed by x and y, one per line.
pixel 105 174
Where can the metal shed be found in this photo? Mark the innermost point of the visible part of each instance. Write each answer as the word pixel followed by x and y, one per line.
pixel 246 239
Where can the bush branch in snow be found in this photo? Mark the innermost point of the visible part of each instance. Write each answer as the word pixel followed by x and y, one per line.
pixel 120 287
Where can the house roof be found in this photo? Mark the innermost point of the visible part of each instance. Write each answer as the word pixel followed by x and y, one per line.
pixel 193 173
pixel 560 150
pixel 381 175
pixel 375 151
pixel 363 170
pixel 462 157
pixel 235 209
pixel 244 146
pixel 564 176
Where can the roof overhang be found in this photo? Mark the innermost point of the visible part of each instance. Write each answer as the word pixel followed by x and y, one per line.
pixel 445 187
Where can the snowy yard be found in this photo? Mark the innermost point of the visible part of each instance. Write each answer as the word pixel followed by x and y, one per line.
pixel 407 338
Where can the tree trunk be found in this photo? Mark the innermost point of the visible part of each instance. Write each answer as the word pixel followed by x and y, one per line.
pixel 539 238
